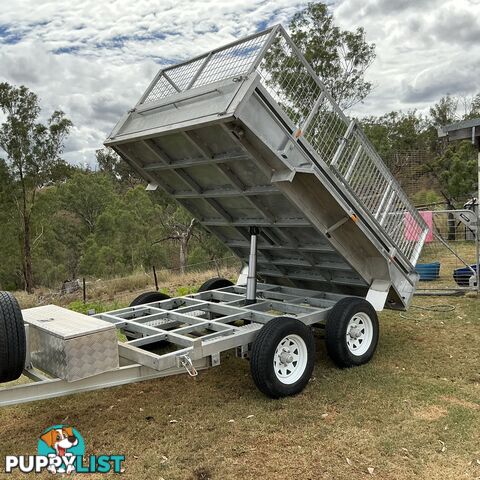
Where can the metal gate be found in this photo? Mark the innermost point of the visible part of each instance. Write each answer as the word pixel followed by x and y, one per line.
pixel 449 260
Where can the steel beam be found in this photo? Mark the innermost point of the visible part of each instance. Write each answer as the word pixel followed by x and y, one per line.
pixel 53 388
pixel 197 161
pixel 224 193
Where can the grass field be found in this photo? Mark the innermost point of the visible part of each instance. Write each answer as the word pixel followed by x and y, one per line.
pixel 413 412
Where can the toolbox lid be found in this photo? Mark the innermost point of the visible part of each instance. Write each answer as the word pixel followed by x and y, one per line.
pixel 64 323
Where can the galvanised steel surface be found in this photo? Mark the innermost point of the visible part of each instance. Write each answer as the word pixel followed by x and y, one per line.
pixel 206 324
pixel 246 135
pixel 193 331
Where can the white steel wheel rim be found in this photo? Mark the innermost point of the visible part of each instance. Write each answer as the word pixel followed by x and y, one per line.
pixel 290 359
pixel 359 334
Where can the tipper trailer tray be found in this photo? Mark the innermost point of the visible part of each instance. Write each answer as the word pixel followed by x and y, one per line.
pixel 248 140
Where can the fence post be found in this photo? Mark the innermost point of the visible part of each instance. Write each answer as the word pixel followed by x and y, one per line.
pixel 84 291
pixel 477 232
pixel 155 277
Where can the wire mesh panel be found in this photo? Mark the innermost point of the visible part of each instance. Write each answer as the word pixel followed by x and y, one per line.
pixel 340 143
pixel 182 75
pixel 231 61
pixel 286 79
pixel 162 88
pixel 448 260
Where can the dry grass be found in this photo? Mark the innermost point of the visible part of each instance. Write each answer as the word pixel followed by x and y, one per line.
pixel 413 412
pixel 122 290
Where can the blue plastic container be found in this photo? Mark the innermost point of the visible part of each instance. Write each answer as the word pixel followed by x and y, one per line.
pixel 428 271
pixel 462 276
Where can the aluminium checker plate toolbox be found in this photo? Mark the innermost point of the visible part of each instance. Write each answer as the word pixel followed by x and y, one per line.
pixel 70 345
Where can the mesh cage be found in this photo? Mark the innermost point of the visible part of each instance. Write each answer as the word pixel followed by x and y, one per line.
pixel 339 143
pixel 336 140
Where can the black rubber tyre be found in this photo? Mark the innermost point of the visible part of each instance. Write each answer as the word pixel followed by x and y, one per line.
pixel 13 344
pixel 338 325
pixel 262 358
pixel 215 284
pixel 142 299
pixel 149 297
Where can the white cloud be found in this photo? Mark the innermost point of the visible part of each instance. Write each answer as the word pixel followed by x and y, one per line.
pixel 425 49
pixel 94 59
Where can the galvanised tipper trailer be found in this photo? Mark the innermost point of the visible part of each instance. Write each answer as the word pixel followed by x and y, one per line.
pixel 248 140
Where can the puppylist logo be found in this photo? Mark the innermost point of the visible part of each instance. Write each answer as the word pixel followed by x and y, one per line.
pixel 61 449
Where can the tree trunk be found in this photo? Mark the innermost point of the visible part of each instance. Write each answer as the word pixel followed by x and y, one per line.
pixel 183 254
pixel 27 256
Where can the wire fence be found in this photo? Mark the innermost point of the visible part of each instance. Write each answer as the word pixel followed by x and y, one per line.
pixel 174 281
pixel 449 258
pixel 450 255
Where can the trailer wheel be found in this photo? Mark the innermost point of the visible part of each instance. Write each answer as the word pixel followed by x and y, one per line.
pixel 143 299
pixel 215 284
pixel 351 332
pixel 13 344
pixel 282 358
pixel 148 297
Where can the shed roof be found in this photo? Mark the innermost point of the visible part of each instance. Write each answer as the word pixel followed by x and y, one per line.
pixel 464 130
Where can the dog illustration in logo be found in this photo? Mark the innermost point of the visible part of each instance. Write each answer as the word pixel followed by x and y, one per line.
pixel 60 440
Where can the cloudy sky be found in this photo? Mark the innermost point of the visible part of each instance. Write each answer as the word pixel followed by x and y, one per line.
pixel 94 59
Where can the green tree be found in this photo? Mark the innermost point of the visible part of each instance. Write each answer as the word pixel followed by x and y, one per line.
pixel 33 155
pixel 133 226
pixel 472 107
pixel 60 236
pixel 456 172
pixel 113 165
pixel 87 195
pixel 10 274
pixel 124 236
pixel 339 57
pixel 180 228
pixel 444 111
pixel 395 133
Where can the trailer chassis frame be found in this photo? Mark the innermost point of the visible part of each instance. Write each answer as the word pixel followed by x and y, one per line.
pixel 199 327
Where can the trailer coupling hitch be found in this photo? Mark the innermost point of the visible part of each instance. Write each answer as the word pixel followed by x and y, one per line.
pixel 187 363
